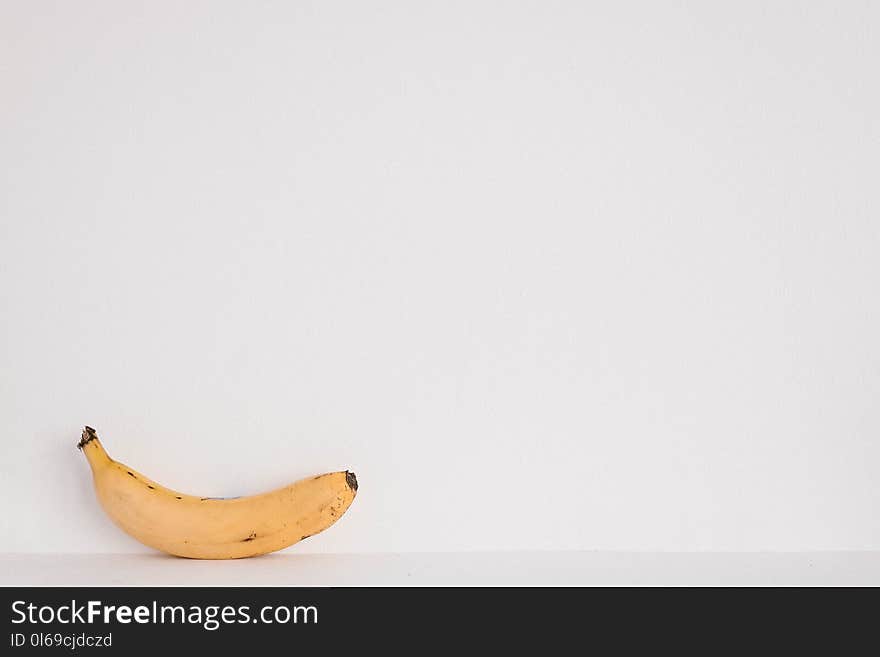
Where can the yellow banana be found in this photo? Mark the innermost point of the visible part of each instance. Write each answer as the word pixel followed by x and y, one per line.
pixel 215 528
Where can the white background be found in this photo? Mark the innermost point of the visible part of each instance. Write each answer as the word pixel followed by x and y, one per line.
pixel 546 275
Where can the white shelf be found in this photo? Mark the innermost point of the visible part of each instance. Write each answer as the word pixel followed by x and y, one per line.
pixel 479 568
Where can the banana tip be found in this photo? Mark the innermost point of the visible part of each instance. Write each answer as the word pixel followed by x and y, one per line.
pixel 351 480
pixel 88 435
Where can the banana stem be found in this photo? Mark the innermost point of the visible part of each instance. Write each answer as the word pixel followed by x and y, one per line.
pixel 92 448
pixel 88 435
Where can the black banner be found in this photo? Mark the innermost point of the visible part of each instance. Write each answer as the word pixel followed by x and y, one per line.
pixel 252 620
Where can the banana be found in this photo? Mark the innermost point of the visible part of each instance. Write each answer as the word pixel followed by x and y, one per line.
pixel 215 528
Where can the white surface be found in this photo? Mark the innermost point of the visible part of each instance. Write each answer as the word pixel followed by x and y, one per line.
pixel 546 275
pixel 451 569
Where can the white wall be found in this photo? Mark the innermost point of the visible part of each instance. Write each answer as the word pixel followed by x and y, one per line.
pixel 545 274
